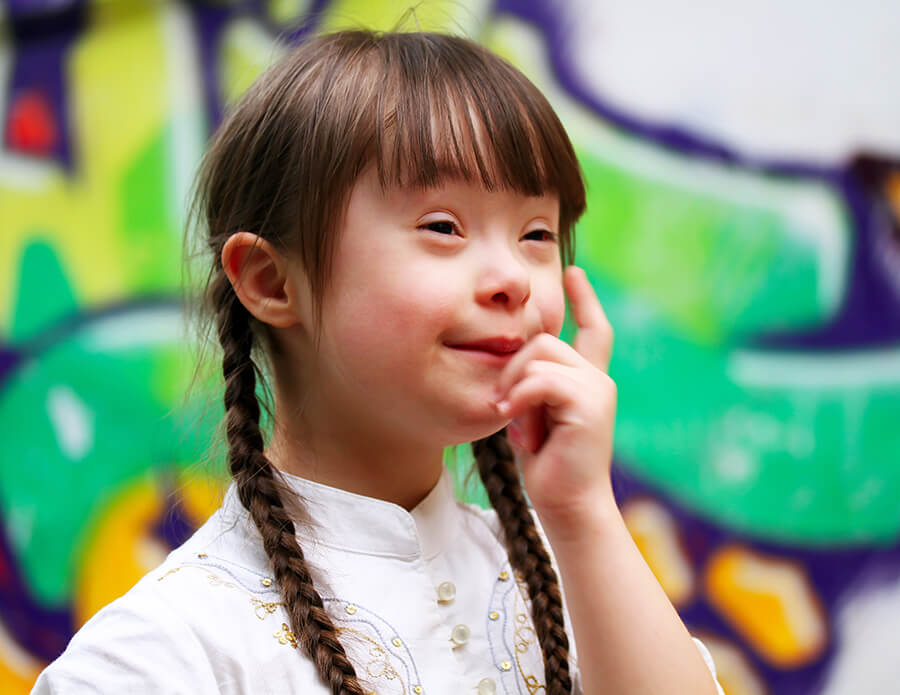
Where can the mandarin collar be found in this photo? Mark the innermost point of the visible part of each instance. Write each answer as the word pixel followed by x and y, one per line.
pixel 355 523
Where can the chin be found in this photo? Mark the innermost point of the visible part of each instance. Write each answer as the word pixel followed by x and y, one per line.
pixel 471 429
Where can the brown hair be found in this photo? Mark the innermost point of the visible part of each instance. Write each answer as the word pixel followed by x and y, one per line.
pixel 417 106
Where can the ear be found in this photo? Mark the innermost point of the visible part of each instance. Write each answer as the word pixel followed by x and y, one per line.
pixel 260 278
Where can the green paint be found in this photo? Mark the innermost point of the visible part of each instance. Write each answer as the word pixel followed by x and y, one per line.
pixel 147 223
pixel 716 268
pixel 103 392
pixel 44 295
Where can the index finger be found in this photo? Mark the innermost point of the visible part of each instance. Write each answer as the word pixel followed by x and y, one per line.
pixel 595 335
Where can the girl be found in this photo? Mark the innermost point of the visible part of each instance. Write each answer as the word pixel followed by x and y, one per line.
pixel 388 217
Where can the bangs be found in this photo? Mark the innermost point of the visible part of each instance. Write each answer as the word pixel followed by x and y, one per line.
pixel 450 109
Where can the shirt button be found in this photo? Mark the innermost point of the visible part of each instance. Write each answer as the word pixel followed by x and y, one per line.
pixel 487 686
pixel 460 634
pixel 446 592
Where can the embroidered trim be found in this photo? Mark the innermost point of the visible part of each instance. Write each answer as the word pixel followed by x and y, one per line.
pixel 383 640
pixel 285 636
pixel 525 635
pixel 260 608
pixel 380 657
pixel 509 624
pixel 380 664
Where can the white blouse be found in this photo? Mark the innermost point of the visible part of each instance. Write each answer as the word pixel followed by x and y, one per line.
pixel 425 601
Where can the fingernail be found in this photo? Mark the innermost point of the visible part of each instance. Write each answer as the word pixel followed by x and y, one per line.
pixel 503 407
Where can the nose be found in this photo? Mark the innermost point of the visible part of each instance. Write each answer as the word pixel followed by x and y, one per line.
pixel 505 281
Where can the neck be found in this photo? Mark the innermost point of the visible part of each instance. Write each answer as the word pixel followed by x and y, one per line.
pixel 342 454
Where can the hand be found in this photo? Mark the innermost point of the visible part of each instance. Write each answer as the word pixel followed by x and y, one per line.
pixel 562 405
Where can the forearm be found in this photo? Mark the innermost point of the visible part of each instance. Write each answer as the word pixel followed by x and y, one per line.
pixel 629 637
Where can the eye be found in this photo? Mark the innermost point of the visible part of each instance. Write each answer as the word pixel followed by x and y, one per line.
pixel 445 227
pixel 540 235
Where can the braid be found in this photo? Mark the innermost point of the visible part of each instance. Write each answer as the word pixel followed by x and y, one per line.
pixel 258 491
pixel 527 555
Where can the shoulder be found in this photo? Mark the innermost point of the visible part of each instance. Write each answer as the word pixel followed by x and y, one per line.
pixel 172 630
pixel 138 643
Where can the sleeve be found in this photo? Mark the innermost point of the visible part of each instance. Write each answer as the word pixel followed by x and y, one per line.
pixel 704 652
pixel 134 645
pixel 707 657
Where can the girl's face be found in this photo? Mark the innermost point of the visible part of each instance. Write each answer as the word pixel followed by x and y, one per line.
pixel 430 294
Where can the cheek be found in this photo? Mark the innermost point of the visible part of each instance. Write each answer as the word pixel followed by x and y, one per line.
pixel 389 317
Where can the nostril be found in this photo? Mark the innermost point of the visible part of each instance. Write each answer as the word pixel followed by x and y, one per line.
pixel 501 297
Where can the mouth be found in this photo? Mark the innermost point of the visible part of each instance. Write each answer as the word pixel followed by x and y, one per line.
pixel 498 348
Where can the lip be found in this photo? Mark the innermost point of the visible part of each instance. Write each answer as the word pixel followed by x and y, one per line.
pixel 494 349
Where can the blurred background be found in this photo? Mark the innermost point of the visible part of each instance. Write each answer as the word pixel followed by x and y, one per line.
pixel 743 233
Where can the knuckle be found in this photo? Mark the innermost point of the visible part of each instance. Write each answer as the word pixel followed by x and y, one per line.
pixel 610 385
pixel 544 340
pixel 532 369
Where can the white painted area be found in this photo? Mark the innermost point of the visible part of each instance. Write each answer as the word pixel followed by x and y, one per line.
pixel 72 420
pixel 872 369
pixel 20 525
pixel 137 328
pixel 816 218
pixel 734 464
pixel 866 637
pixel 812 80
pixel 186 108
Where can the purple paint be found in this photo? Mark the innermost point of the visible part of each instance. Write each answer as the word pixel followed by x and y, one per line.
pixel 42 39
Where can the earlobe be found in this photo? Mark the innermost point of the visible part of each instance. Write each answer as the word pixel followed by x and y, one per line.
pixel 258 274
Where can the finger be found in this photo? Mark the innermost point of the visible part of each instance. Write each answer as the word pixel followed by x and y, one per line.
pixel 528 431
pixel 595 336
pixel 542 348
pixel 532 369
pixel 540 390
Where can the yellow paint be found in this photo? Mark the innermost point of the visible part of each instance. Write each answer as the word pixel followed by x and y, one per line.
pixel 18 669
pixel 734 671
pixel 122 546
pixel 892 189
pixel 656 535
pixel 119 549
pixel 433 15
pixel 118 92
pixel 200 497
pixel 770 602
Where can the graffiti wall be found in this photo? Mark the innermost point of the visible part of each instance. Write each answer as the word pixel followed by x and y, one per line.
pixel 743 233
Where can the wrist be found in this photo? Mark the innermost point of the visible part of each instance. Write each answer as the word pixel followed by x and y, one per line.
pixel 582 520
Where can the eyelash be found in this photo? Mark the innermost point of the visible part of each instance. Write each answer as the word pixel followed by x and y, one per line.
pixel 546 234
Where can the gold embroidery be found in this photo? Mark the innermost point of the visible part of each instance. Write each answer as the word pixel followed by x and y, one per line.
pixel 285 636
pixel 379 665
pixel 260 608
pixel 268 607
pixel 524 635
